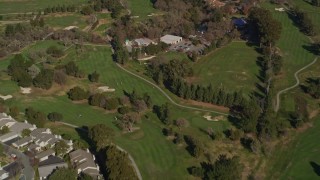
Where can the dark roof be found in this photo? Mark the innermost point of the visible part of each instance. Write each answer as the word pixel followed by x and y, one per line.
pixel 51 160
pixel 239 22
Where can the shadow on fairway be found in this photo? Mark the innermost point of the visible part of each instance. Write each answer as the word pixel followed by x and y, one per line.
pixel 316 167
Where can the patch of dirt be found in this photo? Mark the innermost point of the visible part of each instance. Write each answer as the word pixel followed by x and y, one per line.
pixel 313 114
pixel 207 105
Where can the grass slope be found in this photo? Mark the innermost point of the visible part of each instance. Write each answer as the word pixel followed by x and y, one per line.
pixel 291 44
pixel 233 67
pixel 21 6
pixel 65 21
pixel 141 8
pixel 300 159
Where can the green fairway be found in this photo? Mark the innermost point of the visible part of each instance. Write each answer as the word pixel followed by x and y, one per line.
pixel 22 6
pixel 155 155
pixel 141 8
pixel 65 21
pixel 234 67
pixel 300 159
pixel 291 44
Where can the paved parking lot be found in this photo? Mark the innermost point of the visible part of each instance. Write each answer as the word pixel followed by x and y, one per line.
pixel 187 46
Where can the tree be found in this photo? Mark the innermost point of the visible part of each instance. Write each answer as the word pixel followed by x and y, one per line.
pixel 87 10
pixel 63 173
pixel 101 136
pixel 84 176
pixel 61 147
pixel 35 117
pixel 181 122
pixel 55 52
pixel 127 121
pixel 77 94
pixel 225 169
pixel 14 111
pixel 118 165
pixel 4 130
pixel 25 132
pixel 44 79
pixel 60 77
pixel 54 116
pixel 112 103
pixel 98 100
pixel 315 3
pixel 94 77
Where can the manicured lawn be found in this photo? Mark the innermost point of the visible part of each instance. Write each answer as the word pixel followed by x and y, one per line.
pixel 300 159
pixel 156 156
pixel 141 8
pixel 66 20
pixel 234 67
pixel 21 6
pixel 291 44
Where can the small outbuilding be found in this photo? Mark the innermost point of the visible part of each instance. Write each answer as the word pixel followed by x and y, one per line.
pixel 171 39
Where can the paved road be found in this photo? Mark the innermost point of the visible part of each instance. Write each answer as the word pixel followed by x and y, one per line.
pixel 28 170
pixel 292 87
pixel 168 97
pixel 121 149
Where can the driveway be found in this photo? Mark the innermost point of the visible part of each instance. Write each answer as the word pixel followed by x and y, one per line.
pixel 28 171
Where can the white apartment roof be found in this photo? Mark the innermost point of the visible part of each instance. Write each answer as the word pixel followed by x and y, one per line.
pixel 170 39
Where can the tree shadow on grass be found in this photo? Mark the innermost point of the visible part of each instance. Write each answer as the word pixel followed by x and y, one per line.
pixel 316 167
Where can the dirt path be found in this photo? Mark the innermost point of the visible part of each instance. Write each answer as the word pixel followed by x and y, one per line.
pixel 294 86
pixel 121 149
pixel 167 96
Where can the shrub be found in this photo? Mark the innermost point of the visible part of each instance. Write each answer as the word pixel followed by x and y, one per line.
pixel 54 116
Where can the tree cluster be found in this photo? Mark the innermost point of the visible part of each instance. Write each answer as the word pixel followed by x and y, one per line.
pixel 195 146
pixel 101 136
pixel 171 75
pixel 304 22
pixel 313 87
pixel 63 173
pixel 55 116
pixel 59 8
pixel 222 168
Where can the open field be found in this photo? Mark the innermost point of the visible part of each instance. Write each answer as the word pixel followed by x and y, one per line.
pixel 300 159
pixel 291 44
pixel 141 8
pixel 234 67
pixel 65 21
pixel 155 155
pixel 21 6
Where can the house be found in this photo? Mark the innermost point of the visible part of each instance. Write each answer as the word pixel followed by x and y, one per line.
pixel 83 161
pixel 143 42
pixel 46 167
pixel 170 39
pixel 44 155
pixel 43 137
pixel 9 136
pixel 22 142
pixel 3 174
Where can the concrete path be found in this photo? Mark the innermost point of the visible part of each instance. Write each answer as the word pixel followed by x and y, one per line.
pixel 292 87
pixel 167 96
pixel 28 170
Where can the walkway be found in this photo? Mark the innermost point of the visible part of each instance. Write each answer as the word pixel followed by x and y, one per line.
pixel 292 87
pixel 167 96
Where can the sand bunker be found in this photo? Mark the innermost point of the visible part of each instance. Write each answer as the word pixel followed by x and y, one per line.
pixel 105 89
pixel 25 90
pixel 216 118
pixel 5 97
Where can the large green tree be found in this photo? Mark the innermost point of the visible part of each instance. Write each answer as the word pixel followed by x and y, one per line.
pixel 101 135
pixel 63 173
